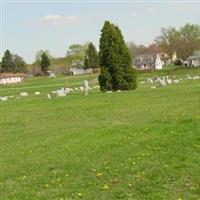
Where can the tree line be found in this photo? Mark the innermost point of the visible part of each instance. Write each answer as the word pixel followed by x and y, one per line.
pixel 12 63
pixel 114 57
pixel 184 41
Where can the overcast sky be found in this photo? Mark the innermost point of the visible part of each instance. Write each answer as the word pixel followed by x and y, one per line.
pixel 28 26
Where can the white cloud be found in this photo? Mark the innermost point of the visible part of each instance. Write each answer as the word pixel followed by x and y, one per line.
pixel 133 14
pixel 58 19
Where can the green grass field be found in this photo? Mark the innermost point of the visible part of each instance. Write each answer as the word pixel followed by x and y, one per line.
pixel 142 144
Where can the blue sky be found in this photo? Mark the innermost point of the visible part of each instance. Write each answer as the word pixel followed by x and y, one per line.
pixel 29 26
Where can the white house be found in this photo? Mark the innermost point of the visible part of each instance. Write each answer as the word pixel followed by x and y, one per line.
pixel 9 78
pixel 79 71
pixel 195 59
pixel 148 62
pixel 51 74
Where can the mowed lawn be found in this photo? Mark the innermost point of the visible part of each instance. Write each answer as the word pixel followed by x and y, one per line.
pixel 142 144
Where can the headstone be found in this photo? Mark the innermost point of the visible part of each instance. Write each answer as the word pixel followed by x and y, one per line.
pixel 168 80
pixel 37 93
pixel 61 93
pixel 48 96
pixel 4 98
pixel 76 88
pixel 176 81
pixel 24 94
pixel 85 87
pixel 81 88
pixel 68 90
pixel 162 82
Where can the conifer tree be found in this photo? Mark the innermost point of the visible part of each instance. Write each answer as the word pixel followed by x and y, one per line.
pixel 91 58
pixel 44 63
pixel 7 64
pixel 115 61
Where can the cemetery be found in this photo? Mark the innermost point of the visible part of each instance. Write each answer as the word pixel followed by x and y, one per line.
pixel 135 140
pixel 95 109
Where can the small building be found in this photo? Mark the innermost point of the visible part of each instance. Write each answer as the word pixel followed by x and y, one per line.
pixel 148 62
pixel 10 78
pixel 195 59
pixel 51 74
pixel 80 71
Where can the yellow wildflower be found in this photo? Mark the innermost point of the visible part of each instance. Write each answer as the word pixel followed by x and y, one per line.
pixel 105 187
pixel 80 195
pixel 99 174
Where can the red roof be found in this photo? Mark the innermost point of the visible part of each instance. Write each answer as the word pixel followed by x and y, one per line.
pixel 9 75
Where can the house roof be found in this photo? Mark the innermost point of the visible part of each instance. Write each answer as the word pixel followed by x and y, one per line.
pixel 9 75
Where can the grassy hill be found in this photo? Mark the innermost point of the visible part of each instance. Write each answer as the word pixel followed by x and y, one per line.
pixel 142 144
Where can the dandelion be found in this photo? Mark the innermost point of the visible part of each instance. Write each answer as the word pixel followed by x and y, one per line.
pixel 105 187
pixel 80 195
pixel 99 174
pixel 129 185
pixel 47 185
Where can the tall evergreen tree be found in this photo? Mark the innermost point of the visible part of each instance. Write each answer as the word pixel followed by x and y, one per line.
pixel 91 58
pixel 7 64
pixel 44 63
pixel 115 61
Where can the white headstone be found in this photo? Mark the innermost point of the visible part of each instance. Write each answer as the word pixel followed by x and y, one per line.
pixel 37 93
pixel 4 98
pixel 24 94
pixel 48 96
pixel 86 87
